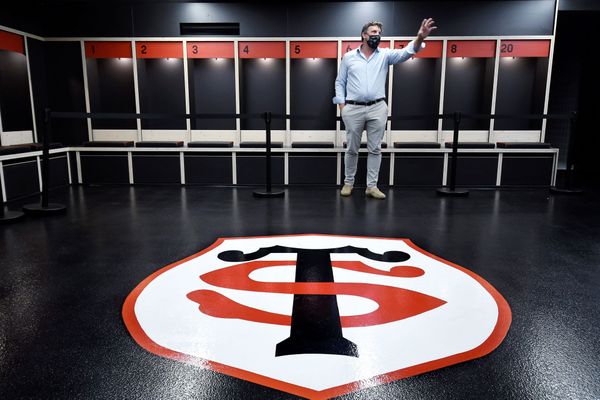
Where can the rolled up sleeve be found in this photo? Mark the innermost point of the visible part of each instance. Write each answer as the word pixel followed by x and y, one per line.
pixel 411 47
pixel 401 55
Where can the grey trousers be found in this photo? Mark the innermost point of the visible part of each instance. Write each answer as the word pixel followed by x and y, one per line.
pixel 373 119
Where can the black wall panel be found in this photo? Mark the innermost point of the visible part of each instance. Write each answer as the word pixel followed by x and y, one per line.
pixel 476 170
pixel 476 18
pixel 307 168
pixel 99 168
pixel 21 178
pixel 587 140
pixel 262 88
pixel 64 83
pixel 212 91
pixel 162 90
pixel 521 90
pixel 251 169
pixel 468 89
pixel 162 18
pixel 566 89
pixel 23 17
pixel 68 18
pixel 311 90
pixel 90 18
pixel 15 102
pixel 156 168
pixel 343 19
pixel 579 5
pixel 539 85
pixel 403 18
pixel 111 89
pixel 208 169
pixel 526 169
pixel 414 169
pixel 59 171
pixel 37 65
pixel 416 90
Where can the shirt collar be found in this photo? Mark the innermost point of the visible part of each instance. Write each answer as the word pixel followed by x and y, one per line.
pixel 361 53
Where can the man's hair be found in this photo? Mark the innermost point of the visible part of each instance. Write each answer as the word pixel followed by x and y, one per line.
pixel 366 26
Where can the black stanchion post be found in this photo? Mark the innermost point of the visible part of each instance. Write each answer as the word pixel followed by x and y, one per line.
pixel 568 189
pixel 46 158
pixel 268 150
pixel 45 208
pixel 268 192
pixel 451 191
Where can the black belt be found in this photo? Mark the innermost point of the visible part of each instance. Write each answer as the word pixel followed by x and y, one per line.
pixel 364 103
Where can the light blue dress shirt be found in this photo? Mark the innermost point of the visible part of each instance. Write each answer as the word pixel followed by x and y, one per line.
pixel 363 80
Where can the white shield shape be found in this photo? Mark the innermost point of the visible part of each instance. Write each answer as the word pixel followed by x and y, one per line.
pixel 317 315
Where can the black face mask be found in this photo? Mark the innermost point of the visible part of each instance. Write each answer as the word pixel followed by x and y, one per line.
pixel 373 41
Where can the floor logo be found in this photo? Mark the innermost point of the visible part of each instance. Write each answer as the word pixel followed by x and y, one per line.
pixel 317 315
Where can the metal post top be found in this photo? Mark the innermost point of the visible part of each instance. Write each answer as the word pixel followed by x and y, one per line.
pixel 457 117
pixel 268 116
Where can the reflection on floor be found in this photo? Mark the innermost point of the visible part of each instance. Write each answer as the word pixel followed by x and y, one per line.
pixel 65 279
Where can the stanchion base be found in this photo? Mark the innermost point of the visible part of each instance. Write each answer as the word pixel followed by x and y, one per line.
pixel 453 193
pixel 51 209
pixel 268 194
pixel 557 190
pixel 11 216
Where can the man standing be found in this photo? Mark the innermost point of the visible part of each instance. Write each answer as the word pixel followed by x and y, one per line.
pixel 360 94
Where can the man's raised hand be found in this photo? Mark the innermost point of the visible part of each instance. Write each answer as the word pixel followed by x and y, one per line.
pixel 426 28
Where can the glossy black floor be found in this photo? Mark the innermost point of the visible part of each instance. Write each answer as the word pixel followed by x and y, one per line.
pixel 64 280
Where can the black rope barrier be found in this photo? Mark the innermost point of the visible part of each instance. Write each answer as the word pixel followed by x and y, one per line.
pixel 45 207
pixel 96 115
pixel 517 116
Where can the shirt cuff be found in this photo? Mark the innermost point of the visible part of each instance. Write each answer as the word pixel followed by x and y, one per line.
pixel 411 47
pixel 339 100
